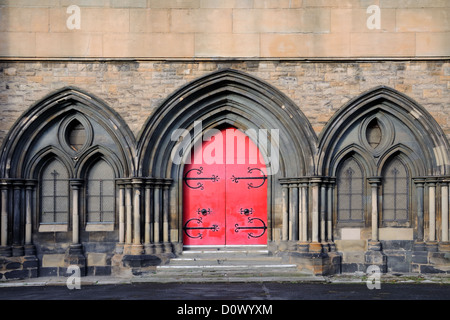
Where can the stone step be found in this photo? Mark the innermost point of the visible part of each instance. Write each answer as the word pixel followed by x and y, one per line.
pixel 196 260
pixel 240 261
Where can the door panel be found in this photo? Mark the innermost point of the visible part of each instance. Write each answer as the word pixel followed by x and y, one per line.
pixel 225 201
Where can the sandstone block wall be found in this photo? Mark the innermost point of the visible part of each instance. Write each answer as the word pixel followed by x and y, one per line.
pixel 231 28
pixel 134 89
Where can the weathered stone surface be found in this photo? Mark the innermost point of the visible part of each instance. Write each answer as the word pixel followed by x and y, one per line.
pixel 292 28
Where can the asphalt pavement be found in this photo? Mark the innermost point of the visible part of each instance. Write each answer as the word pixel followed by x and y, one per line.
pixel 231 291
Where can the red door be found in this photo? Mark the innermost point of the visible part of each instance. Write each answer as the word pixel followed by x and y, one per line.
pixel 225 193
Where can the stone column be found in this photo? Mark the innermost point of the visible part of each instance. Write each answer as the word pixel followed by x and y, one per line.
pixel 444 209
pixel 374 256
pixel 137 215
pixel 4 215
pixel 315 209
pixel 29 247
pixel 165 222
pixel 75 185
pixel 148 217
pixel 285 211
pixel 5 250
pixel 432 210
pixel 323 213
pixel 315 246
pixel 374 244
pixel 419 187
pixel 293 211
pixel 157 216
pixel 121 213
pixel 128 209
pixel 17 245
pixel 304 212
pixel 330 207
pixel 74 254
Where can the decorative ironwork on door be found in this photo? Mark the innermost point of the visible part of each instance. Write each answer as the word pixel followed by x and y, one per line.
pixel 250 184
pixel 225 203
pixel 213 178
pixel 263 227
pixel 187 229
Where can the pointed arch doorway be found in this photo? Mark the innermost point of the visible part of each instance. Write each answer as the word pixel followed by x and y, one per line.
pixel 225 192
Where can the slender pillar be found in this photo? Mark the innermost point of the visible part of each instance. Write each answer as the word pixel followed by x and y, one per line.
pixel 4 215
pixel 147 220
pixel 432 210
pixel 330 206
pixel 129 213
pixel 166 212
pixel 304 215
pixel 419 191
pixel 137 211
pixel 5 249
pixel 17 245
pixel 285 210
pixel 323 211
pixel 157 212
pixel 374 182
pixel 315 209
pixel 300 212
pixel 444 209
pixel 121 213
pixel 75 184
pixel 28 211
pixel 293 211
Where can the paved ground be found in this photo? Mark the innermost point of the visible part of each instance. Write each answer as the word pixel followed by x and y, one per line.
pixel 231 291
pixel 392 287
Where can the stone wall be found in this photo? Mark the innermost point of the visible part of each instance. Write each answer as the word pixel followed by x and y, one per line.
pixel 135 88
pixel 230 28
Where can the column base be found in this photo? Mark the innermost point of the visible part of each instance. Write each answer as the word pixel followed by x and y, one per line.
pixel 303 246
pixel 74 257
pixel 315 247
pixel 5 251
pixel 444 247
pixel 332 246
pixel 420 246
pixel 133 249
pixel 374 245
pixel 119 248
pixel 317 263
pixel 17 251
pixel 30 250
pixel 432 246
pixel 375 258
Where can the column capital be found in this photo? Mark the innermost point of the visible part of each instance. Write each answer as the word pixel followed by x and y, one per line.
pixel 431 180
pixel 137 182
pixel 374 180
pixel 76 183
pixel 30 183
pixel 316 180
pixel 420 181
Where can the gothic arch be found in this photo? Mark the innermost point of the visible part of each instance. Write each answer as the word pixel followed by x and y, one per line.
pixel 236 99
pixel 242 99
pixel 425 137
pixel 62 106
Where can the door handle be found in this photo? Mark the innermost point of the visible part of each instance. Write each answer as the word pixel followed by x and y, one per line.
pixel 204 211
pixel 246 211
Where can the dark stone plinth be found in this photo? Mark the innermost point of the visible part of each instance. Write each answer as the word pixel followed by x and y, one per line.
pixel 140 261
pixel 376 258
pixel 74 257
